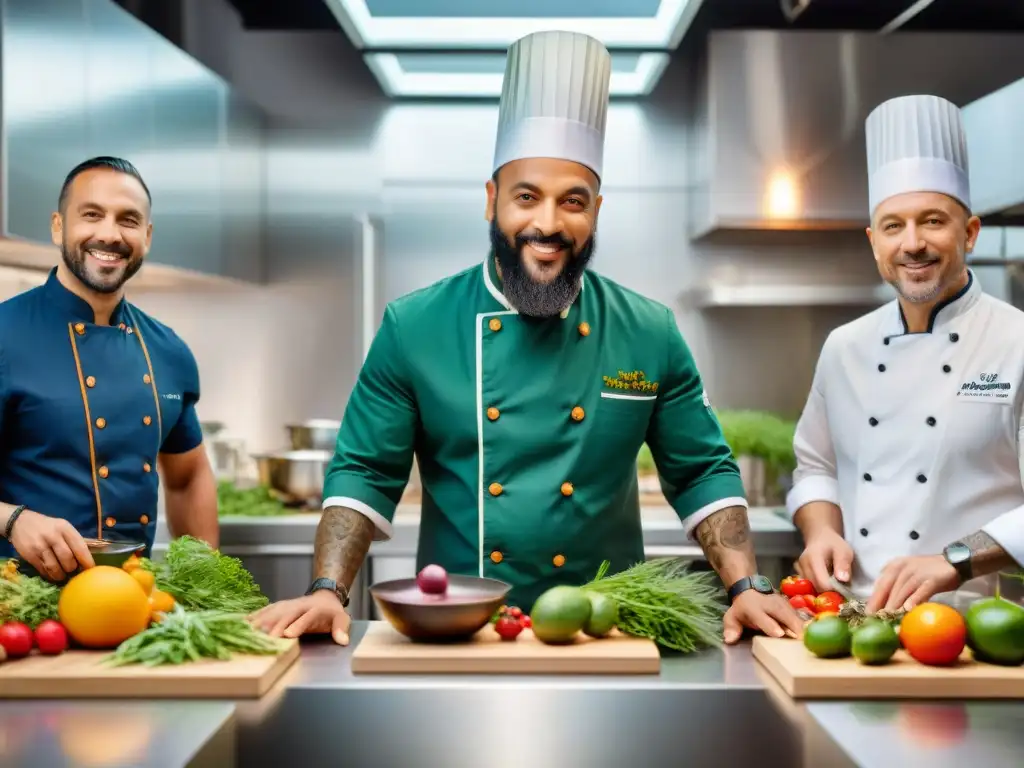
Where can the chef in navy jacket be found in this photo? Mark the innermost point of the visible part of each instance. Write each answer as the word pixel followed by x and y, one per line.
pixel 97 399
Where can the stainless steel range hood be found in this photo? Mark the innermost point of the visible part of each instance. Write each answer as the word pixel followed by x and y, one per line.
pixel 778 119
pixel 994 142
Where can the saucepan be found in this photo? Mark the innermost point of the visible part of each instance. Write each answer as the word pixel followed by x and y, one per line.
pixel 295 476
pixel 313 435
pixel 458 614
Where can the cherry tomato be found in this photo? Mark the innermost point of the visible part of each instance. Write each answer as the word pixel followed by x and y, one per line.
pixel 526 622
pixel 802 602
pixel 508 628
pixel 17 639
pixel 514 612
pixel 828 601
pixel 794 585
pixel 51 637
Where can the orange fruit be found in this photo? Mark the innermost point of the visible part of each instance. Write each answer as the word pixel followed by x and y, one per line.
pixel 933 633
pixel 132 563
pixel 161 601
pixel 103 606
pixel 145 578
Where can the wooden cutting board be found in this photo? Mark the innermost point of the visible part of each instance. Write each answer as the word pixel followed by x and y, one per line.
pixel 80 675
pixel 804 676
pixel 384 651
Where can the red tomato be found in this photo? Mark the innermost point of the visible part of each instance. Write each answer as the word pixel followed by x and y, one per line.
pixel 794 585
pixel 828 601
pixel 802 602
pixel 526 622
pixel 508 628
pixel 515 613
pixel 17 639
pixel 51 637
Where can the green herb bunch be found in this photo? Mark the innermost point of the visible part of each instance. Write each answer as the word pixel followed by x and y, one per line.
pixel 762 435
pixel 666 602
pixel 201 578
pixel 27 599
pixel 250 502
pixel 183 636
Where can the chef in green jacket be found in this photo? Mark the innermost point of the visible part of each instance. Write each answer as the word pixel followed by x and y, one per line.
pixel 526 385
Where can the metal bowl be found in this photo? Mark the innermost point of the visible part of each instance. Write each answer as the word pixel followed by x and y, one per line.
pixel 296 476
pixel 115 553
pixel 455 616
pixel 314 435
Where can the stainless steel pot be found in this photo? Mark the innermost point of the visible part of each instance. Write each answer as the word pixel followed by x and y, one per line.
pixel 297 476
pixel 313 435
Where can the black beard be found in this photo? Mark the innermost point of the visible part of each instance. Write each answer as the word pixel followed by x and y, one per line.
pixel 75 262
pixel 530 297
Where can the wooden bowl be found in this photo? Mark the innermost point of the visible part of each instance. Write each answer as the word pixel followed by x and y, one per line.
pixel 455 616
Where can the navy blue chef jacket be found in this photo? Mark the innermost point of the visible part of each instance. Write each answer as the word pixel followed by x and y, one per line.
pixel 85 409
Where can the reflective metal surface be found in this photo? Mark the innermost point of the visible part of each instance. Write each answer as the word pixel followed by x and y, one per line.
pixel 297 476
pixel 778 119
pixel 102 82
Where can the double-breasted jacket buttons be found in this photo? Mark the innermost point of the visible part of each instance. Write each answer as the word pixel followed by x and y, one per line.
pixel 584 329
pixel 494 489
pixel 863 531
pixel 873 421
pixel 558 561
pixel 867 477
pixel 80 328
pixel 954 337
pixel 577 414
pixel 496 557
pixel 946 369
pixel 494 324
pixel 493 413
pixel 881 367
pixel 144 519
pixel 922 479
pixel 147 420
pixel 146 378
pixel 930 421
pixel 101 423
pixel 146 467
pixel 90 381
pixel 110 522
pixel 567 489
pixel 915 535
pixel 103 472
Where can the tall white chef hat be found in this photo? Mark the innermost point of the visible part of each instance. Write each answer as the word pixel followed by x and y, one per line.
pixel 916 144
pixel 554 100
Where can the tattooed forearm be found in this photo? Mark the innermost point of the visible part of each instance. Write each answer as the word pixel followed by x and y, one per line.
pixel 725 539
pixel 987 556
pixel 343 538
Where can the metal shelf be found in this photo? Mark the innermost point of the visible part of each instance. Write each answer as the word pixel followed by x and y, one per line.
pixel 708 296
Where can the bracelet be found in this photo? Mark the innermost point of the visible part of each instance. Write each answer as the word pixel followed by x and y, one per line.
pixel 11 520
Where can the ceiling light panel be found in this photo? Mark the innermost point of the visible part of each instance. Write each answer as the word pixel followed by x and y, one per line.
pixel 496 24
pixel 479 75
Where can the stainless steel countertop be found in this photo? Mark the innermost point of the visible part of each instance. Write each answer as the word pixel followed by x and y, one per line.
pixel 710 709
pixel 774 535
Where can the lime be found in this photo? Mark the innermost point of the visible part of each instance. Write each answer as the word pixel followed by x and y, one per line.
pixel 604 614
pixel 874 642
pixel 995 631
pixel 559 614
pixel 828 637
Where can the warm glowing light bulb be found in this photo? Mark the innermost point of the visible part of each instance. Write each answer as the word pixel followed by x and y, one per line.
pixel 783 196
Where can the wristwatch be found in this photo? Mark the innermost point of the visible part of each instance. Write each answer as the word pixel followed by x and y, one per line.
pixel 958 555
pixel 756 582
pixel 333 586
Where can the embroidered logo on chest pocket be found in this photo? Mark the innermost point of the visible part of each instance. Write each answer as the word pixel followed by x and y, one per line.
pixel 986 388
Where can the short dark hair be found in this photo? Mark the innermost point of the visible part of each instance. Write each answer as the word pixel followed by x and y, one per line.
pixel 103 161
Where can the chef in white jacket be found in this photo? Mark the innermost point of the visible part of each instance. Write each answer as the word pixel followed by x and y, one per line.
pixel 908 479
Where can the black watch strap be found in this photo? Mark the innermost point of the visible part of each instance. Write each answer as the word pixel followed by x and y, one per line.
pixel 9 528
pixel 756 582
pixel 333 586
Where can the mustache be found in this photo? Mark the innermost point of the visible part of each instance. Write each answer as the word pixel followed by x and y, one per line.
pixel 120 249
pixel 556 240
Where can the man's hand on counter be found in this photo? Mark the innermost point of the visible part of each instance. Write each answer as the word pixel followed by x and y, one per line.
pixel 771 614
pixel 320 612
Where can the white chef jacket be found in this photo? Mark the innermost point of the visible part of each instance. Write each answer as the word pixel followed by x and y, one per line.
pixel 916 436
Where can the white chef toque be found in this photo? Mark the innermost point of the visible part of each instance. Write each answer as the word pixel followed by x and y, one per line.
pixel 554 100
pixel 916 144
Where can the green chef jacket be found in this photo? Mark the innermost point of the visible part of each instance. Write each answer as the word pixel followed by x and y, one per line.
pixel 527 431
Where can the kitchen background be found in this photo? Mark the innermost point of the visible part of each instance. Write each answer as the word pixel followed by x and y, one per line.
pixel 298 186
